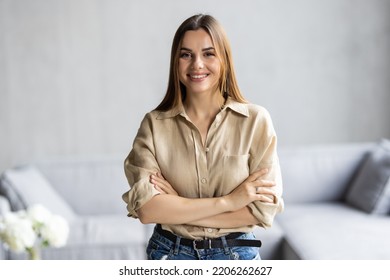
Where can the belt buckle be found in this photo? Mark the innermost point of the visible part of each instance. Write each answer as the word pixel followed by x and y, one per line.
pixel 195 242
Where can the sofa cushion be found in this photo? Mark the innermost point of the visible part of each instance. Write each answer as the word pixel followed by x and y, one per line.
pixel 370 190
pixel 105 229
pixel 321 173
pixel 25 186
pixel 335 231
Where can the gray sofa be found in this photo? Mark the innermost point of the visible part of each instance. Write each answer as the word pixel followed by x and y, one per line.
pixel 87 193
pixel 328 191
pixel 326 214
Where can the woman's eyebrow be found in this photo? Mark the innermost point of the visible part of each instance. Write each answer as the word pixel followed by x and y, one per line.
pixel 204 50
pixel 208 49
pixel 186 49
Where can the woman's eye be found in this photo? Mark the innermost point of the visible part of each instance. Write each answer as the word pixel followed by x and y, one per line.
pixel 207 54
pixel 185 55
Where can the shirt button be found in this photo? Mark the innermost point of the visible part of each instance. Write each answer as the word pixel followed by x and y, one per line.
pixel 204 180
pixel 210 230
pixel 207 149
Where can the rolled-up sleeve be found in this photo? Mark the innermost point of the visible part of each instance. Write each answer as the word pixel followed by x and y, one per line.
pixel 265 156
pixel 139 165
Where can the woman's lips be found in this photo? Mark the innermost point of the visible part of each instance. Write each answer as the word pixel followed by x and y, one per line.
pixel 198 77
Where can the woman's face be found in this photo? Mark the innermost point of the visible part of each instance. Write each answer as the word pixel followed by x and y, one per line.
pixel 199 67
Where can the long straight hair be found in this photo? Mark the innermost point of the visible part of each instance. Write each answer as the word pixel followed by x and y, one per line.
pixel 176 91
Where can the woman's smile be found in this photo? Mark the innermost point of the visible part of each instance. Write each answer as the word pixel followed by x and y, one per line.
pixel 198 77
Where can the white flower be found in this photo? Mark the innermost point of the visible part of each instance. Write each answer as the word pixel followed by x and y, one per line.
pixel 20 230
pixel 55 231
pixel 17 232
pixel 38 214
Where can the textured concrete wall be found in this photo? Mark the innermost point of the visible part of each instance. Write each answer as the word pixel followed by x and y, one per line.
pixel 76 77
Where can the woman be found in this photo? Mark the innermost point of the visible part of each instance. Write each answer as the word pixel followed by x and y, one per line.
pixel 204 165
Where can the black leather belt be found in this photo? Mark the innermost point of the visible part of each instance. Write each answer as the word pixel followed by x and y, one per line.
pixel 210 243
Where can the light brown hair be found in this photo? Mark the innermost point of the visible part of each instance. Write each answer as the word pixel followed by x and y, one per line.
pixel 176 91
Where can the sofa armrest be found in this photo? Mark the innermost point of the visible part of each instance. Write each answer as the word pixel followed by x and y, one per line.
pixel 4 205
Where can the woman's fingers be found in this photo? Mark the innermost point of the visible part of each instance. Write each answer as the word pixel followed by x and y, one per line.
pixel 160 180
pixel 160 189
pixel 161 184
pixel 159 175
pixel 256 175
pixel 264 183
pixel 154 179
pixel 266 198
pixel 265 191
pixel 254 188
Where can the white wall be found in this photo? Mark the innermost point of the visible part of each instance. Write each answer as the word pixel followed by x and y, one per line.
pixel 76 77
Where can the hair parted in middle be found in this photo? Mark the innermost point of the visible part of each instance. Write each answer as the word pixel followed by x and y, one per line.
pixel 176 91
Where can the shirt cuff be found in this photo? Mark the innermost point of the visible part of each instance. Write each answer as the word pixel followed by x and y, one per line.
pixel 139 194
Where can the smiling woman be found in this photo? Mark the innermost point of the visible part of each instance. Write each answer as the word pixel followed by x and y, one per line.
pixel 204 164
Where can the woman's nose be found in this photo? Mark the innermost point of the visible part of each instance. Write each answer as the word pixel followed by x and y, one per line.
pixel 197 63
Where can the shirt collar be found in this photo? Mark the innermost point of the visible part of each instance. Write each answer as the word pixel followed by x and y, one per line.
pixel 235 106
pixel 241 108
pixel 178 110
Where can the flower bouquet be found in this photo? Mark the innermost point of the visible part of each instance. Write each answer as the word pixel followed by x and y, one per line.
pixel 32 229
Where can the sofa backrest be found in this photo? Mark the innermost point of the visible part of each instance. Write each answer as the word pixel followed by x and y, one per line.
pixel 91 186
pixel 320 173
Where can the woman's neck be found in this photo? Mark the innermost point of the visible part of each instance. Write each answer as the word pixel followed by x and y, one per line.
pixel 204 106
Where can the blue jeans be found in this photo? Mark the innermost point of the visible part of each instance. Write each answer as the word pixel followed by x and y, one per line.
pixel 161 248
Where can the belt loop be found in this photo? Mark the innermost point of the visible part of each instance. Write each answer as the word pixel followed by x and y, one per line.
pixel 225 245
pixel 177 245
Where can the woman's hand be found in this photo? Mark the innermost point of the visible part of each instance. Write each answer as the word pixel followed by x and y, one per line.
pixel 162 185
pixel 254 188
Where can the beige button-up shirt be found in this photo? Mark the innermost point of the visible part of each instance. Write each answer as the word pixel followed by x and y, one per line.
pixel 240 141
